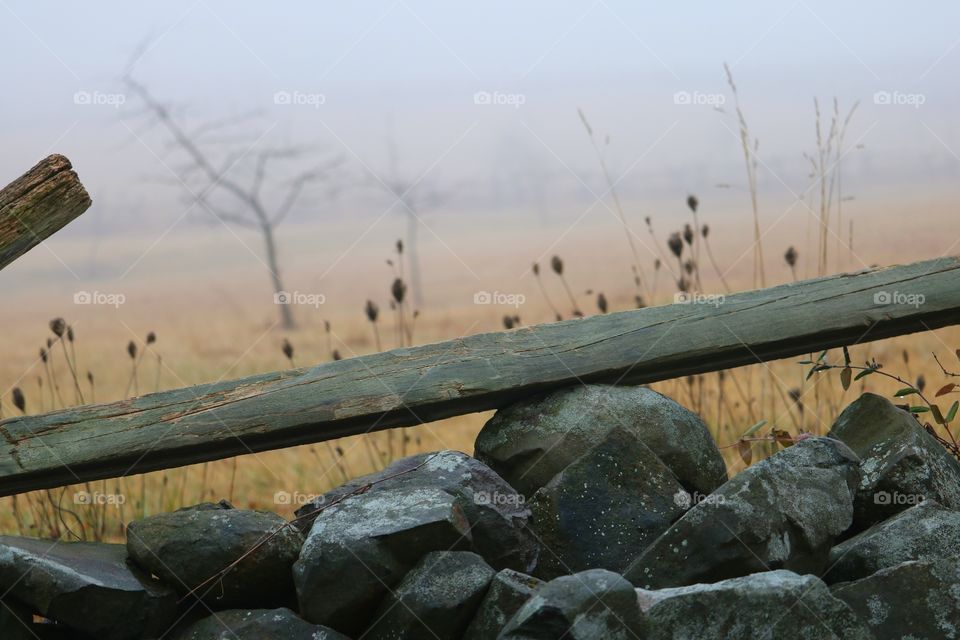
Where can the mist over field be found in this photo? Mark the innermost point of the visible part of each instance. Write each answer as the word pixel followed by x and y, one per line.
pixel 376 75
pixel 476 109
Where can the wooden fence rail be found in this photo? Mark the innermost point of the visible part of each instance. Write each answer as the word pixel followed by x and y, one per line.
pixel 37 205
pixel 420 384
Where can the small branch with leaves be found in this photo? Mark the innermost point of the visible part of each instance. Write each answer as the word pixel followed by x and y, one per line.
pixel 745 443
pixel 908 390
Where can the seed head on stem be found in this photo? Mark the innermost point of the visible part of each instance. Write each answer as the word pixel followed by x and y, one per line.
pixel 287 349
pixel 19 400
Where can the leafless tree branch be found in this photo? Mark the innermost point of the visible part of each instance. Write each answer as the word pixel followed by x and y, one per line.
pixel 224 176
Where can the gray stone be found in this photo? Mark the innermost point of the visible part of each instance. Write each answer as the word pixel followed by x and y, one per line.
pixel 927 531
pixel 917 600
pixel 588 605
pixel 605 507
pixel 496 513
pixel 363 545
pixel 509 590
pixel 436 599
pixel 902 463
pixel 773 604
pixel 187 547
pixel 531 441
pixel 257 624
pixel 784 512
pixel 85 586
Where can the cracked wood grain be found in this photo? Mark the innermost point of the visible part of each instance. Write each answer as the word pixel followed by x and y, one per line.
pixel 38 204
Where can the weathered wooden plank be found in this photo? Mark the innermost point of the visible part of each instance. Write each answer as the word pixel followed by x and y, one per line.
pixel 38 204
pixel 406 386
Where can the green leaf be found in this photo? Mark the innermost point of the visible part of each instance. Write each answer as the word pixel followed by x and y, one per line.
pixel 845 377
pixel 823 354
pixel 937 416
pixel 846 357
pixel 906 391
pixel 952 413
pixel 805 362
pixel 863 374
pixel 919 409
pixel 752 430
pixel 818 368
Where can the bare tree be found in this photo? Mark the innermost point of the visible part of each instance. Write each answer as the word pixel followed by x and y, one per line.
pixel 413 195
pixel 234 188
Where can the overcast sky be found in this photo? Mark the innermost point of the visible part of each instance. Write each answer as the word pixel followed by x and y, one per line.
pixel 480 99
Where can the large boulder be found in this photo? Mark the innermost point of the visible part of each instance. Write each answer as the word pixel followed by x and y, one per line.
pixel 588 605
pixel 784 512
pixel 902 463
pixel 86 586
pixel 918 600
pixel 362 546
pixel 495 512
pixel 257 624
pixel 436 599
pixel 774 604
pixel 927 531
pixel 614 500
pixel 531 441
pixel 187 547
pixel 509 590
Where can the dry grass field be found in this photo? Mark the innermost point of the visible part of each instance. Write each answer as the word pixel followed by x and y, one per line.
pixel 217 322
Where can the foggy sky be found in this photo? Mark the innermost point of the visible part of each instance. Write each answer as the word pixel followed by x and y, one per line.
pixel 367 73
